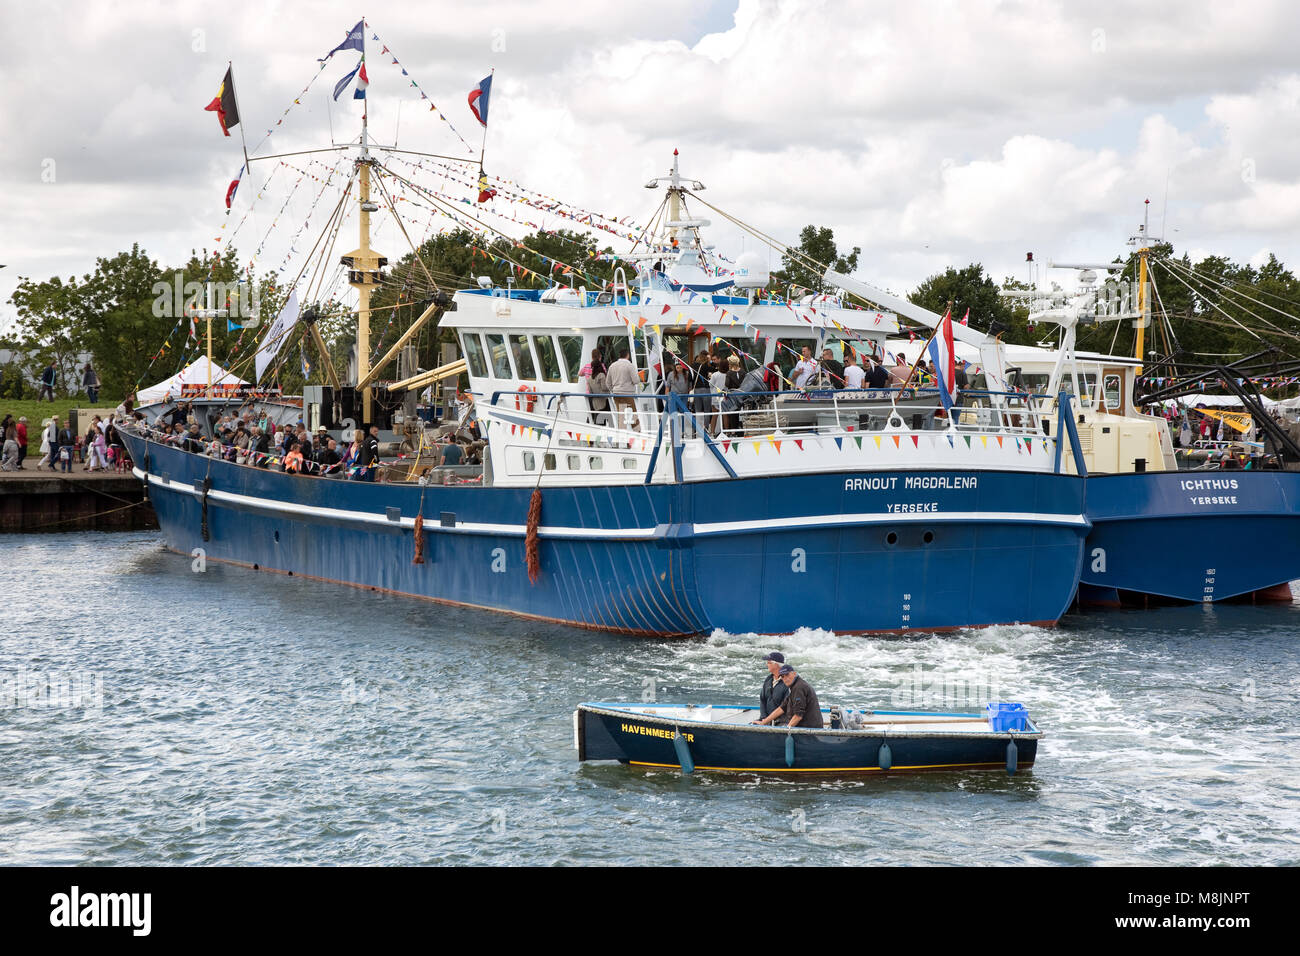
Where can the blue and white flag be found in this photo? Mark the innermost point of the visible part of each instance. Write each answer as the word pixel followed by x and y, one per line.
pixel 343 83
pixel 356 41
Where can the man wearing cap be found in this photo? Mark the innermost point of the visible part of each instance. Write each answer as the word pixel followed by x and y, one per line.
pixel 800 707
pixel 772 694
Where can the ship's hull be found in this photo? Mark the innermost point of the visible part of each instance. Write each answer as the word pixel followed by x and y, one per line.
pixel 1191 536
pixel 759 554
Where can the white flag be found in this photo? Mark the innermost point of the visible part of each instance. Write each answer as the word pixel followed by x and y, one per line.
pixel 277 335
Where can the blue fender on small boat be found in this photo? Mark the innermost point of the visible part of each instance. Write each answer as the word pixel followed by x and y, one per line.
pixel 1013 755
pixel 885 759
pixel 683 752
pixel 789 750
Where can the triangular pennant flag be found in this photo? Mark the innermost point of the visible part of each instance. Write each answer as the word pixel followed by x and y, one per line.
pixel 951 444
pixel 799 442
pixel 916 441
pixel 985 440
pixel 896 445
pixel 877 440
pixel 858 439
pixel 839 443
pixel 967 437
pixel 778 445
pixel 757 445
pixel 999 441
pixel 726 445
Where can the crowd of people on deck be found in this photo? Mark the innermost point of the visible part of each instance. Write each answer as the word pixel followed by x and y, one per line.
pixel 253 438
pixel 714 384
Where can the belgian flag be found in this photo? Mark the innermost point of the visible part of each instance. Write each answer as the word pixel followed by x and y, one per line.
pixel 223 104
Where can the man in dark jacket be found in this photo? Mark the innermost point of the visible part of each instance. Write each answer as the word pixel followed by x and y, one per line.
pixel 47 383
pixel 773 692
pixel 801 706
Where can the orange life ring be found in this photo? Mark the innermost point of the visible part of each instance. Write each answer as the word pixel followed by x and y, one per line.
pixel 525 398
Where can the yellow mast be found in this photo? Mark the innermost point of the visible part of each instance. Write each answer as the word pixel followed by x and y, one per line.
pixel 364 265
pixel 1144 306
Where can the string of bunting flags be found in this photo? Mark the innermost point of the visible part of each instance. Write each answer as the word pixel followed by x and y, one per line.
pixel 433 107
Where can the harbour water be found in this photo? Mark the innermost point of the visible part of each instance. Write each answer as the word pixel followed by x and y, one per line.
pixel 155 714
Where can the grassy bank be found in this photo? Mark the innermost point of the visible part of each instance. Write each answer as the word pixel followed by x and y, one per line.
pixel 37 412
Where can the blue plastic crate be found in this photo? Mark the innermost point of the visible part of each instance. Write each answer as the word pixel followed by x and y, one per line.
pixel 1004 716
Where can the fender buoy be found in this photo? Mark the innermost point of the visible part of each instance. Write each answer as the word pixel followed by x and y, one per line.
pixel 683 750
pixel 525 398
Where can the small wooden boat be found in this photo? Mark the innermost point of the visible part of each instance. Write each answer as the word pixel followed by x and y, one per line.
pixel 722 738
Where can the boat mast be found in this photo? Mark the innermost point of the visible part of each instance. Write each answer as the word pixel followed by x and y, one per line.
pixel 1144 306
pixel 364 265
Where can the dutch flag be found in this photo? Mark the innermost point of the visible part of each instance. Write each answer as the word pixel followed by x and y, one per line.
pixel 943 358
pixel 478 99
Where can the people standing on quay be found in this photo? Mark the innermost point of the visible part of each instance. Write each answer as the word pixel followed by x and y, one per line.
pixel 21 429
pixel 47 383
pixel 67 445
pixel 90 382
pixel 9 453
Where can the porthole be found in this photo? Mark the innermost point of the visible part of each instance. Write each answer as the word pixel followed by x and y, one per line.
pixel 891 538
pixel 595 462
pixel 927 537
pixel 529 461
pixel 629 463
pixel 573 462
pixel 548 462
pixel 277 537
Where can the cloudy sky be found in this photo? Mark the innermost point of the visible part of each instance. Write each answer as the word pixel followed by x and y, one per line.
pixel 928 133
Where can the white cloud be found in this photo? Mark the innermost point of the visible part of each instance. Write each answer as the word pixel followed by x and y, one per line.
pixel 930 134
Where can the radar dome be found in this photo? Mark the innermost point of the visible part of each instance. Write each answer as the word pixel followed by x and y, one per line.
pixel 751 272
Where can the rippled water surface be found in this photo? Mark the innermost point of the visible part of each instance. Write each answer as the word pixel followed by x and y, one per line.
pixel 151 714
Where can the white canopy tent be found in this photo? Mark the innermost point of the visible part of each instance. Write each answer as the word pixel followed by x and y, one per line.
pixel 194 374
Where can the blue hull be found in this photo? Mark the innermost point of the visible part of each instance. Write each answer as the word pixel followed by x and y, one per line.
pixel 1192 536
pixel 763 554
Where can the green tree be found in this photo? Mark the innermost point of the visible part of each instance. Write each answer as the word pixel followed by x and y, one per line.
pixel 970 289
pixel 818 245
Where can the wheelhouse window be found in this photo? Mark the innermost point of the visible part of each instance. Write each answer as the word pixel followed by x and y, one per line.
pixel 496 345
pixel 747 350
pixel 473 348
pixel 523 356
pixel 571 346
pixel 548 357
pixel 610 346
pixel 1112 391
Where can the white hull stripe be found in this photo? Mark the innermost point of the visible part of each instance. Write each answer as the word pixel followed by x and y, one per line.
pixel 273 506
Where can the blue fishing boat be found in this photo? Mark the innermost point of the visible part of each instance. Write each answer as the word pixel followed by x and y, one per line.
pixel 764 507
pixel 722 738
pixel 1157 532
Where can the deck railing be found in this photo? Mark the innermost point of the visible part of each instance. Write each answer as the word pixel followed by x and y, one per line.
pixel 819 412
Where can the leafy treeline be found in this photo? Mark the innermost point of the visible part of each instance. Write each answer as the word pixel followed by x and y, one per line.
pixel 114 313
